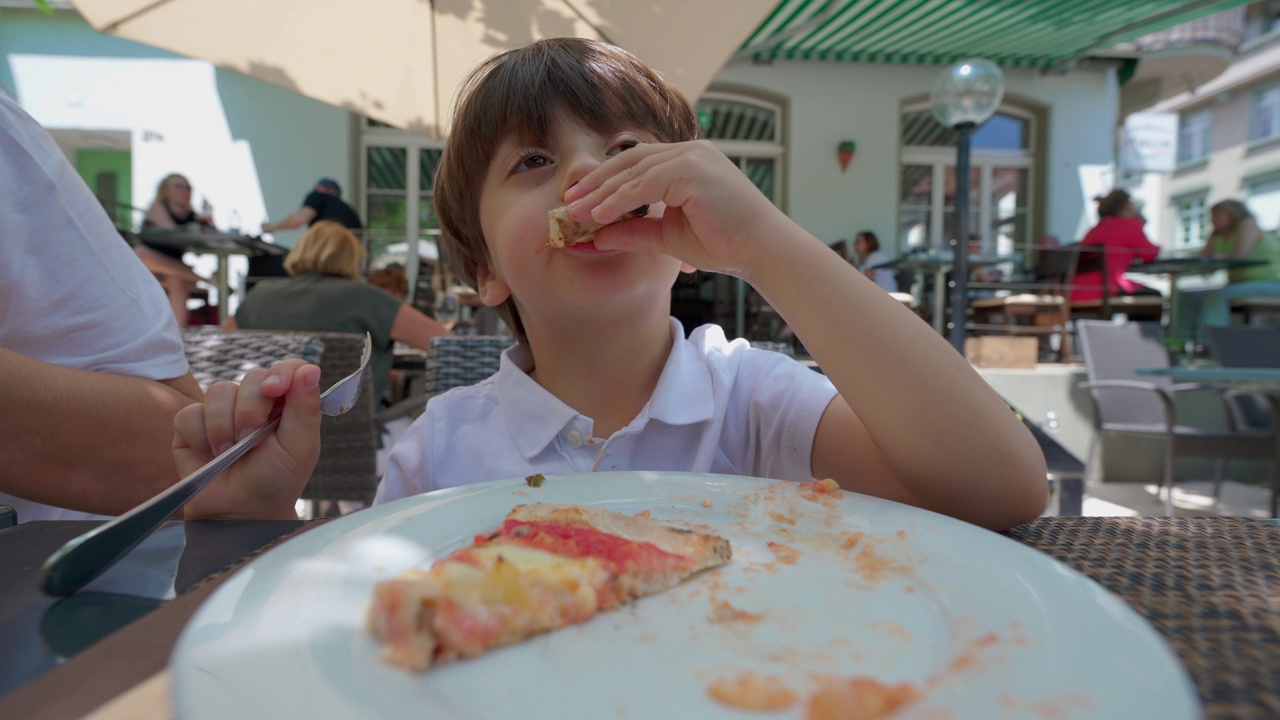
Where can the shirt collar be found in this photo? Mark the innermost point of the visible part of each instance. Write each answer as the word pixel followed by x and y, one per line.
pixel 535 417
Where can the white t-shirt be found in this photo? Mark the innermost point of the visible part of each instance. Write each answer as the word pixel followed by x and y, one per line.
pixel 72 292
pixel 719 407
pixel 885 278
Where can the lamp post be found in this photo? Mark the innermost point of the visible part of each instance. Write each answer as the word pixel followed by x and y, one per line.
pixel 965 96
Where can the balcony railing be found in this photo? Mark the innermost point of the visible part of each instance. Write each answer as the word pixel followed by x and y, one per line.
pixel 1224 29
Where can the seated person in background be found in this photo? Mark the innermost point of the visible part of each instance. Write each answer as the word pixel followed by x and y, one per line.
pixel 1120 236
pixel 92 370
pixel 1235 235
pixel 171 210
pixel 324 202
pixel 325 294
pixel 392 279
pixel 602 377
pixel 867 247
pixel 842 249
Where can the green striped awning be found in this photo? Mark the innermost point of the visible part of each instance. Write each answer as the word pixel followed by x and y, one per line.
pixel 1013 33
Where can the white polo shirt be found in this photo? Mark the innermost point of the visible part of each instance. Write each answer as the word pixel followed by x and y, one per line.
pixel 719 407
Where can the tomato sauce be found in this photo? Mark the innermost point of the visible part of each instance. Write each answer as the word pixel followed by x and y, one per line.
pixel 581 542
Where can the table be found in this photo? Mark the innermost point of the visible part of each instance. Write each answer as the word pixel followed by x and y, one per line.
pixel 940 263
pixel 1208 585
pixel 220 245
pixel 1242 380
pixel 1176 267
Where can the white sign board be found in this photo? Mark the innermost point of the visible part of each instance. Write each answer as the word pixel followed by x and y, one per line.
pixel 1149 142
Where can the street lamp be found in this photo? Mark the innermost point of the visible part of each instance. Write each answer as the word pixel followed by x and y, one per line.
pixel 965 95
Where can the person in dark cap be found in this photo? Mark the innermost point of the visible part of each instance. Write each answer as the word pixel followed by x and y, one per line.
pixel 323 203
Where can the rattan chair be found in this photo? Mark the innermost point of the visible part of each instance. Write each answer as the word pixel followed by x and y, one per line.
pixel 452 361
pixel 1127 403
pixel 347 468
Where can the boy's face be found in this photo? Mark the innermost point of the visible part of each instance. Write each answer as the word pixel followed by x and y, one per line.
pixel 564 285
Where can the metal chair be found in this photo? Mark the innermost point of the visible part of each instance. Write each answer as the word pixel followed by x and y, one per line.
pixel 1246 346
pixel 1129 404
pixel 347 468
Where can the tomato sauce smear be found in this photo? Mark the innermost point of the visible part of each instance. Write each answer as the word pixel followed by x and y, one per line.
pixel 581 542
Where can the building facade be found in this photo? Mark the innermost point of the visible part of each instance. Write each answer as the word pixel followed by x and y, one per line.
pixel 1228 142
pixel 128 114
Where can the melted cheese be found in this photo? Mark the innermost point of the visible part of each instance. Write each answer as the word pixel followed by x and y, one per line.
pixel 519 577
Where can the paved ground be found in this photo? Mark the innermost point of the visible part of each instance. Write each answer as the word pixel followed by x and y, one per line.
pixel 1189 498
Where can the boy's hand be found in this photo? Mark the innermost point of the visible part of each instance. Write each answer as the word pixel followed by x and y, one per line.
pixel 715 218
pixel 266 482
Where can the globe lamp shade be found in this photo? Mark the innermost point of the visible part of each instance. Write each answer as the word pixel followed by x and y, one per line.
pixel 968 92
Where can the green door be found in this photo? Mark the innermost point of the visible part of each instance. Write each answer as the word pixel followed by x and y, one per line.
pixel 108 173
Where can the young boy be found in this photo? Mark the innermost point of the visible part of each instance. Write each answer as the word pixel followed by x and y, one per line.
pixel 603 378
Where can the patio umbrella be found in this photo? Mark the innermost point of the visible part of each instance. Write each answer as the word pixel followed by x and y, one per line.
pixel 400 61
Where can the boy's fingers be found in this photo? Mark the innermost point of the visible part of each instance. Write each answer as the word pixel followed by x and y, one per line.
pixel 218 415
pixel 189 431
pixel 253 409
pixel 299 431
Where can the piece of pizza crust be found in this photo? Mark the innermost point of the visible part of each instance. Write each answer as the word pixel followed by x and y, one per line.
pixel 567 231
pixel 548 566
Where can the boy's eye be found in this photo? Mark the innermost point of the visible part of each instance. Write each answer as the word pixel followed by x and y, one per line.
pixel 532 160
pixel 623 144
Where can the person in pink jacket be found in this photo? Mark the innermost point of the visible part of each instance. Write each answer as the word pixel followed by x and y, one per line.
pixel 1119 233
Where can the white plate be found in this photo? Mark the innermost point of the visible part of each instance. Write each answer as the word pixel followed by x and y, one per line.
pixel 989 627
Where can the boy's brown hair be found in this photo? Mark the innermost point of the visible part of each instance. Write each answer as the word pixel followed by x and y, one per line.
pixel 327 248
pixel 519 93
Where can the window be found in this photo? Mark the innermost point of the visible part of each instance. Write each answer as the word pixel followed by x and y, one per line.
pixel 1000 179
pixel 1193 136
pixel 398 169
pixel 1266 114
pixel 1193 217
pixel 749 131
pixel 1264 202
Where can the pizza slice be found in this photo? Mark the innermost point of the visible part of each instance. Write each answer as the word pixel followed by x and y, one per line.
pixel 547 566
pixel 567 231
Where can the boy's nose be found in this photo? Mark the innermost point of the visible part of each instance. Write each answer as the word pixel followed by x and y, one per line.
pixel 577 165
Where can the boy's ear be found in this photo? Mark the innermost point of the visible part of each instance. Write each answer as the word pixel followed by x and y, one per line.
pixel 491 288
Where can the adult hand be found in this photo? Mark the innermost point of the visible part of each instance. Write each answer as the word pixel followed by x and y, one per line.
pixel 266 482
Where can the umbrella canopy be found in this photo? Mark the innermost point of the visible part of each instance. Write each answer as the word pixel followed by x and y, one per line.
pixel 400 61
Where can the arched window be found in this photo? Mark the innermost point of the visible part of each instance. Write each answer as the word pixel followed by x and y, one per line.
pixel 1000 181
pixel 749 131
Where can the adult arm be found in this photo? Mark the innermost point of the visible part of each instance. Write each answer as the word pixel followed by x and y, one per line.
pixel 415 328
pixel 914 422
pixel 296 219
pixel 86 440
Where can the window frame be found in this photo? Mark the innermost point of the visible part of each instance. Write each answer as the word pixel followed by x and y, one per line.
pixel 1255 104
pixel 377 135
pixel 1206 142
pixel 941 157
pixel 1180 239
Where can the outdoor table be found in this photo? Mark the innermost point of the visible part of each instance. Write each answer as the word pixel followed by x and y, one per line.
pixel 1176 267
pixel 1263 379
pixel 220 245
pixel 1208 585
pixel 939 264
